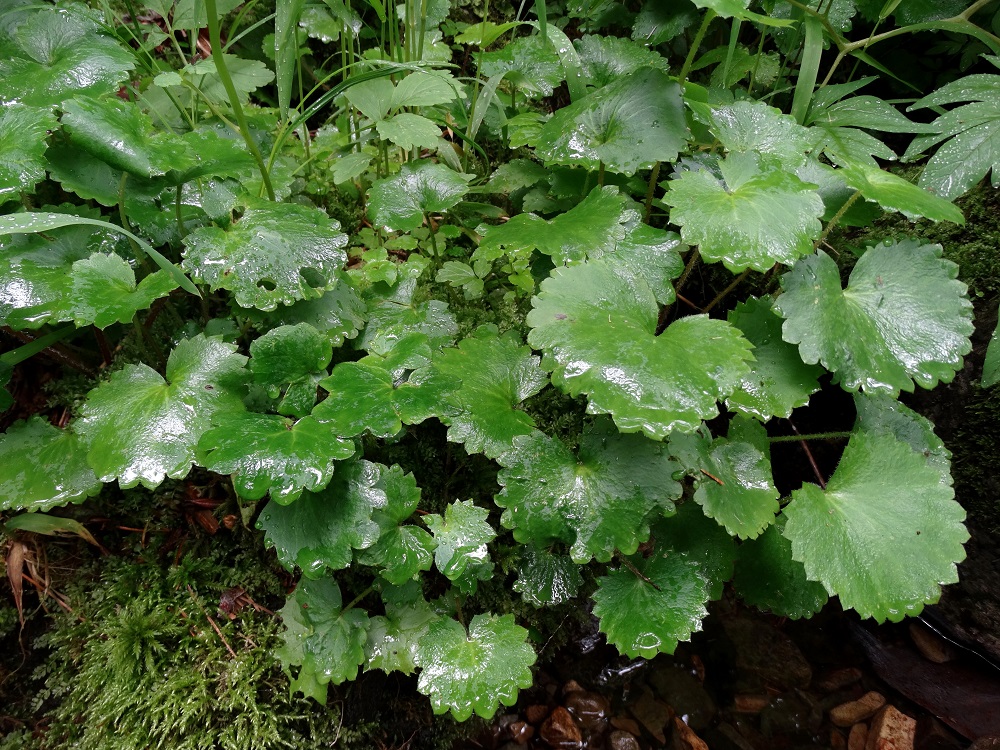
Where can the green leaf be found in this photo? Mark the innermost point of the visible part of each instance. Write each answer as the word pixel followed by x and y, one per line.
pixel 142 428
pixel 338 314
pixel 275 254
pixel 497 373
pixel 752 218
pixel 754 127
pixel 326 642
pixel 780 381
pixel 401 551
pixel 545 579
pixel 60 53
pixel 733 480
pixel 991 365
pixel 23 134
pixel 321 529
pixel 884 535
pixel 884 415
pixel 691 533
pixel 597 500
pixel 42 467
pixel 767 577
pixel 628 125
pixel 647 617
pixel 293 356
pixel 902 318
pixel 461 536
pixel 400 202
pixel 408 130
pixel 605 59
pixel 247 76
pixel 104 290
pixel 598 332
pixel 120 134
pixel 41 523
pixel 485 33
pixel 738 9
pixel 662 20
pixel 266 453
pixel 286 47
pixel 423 88
pixel 475 671
pixel 894 193
pixel 528 62
pixel 393 640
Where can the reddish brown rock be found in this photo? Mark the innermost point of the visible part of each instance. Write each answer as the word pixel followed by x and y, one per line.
pixel 560 731
pixel 750 704
pixel 837 740
pixel 619 740
pixel 858 737
pixel 685 738
pixel 891 730
pixel 572 687
pixel 850 713
pixel 536 714
pixel 838 679
pixel 626 725
pixel 521 732
pixel 653 714
pixel 589 709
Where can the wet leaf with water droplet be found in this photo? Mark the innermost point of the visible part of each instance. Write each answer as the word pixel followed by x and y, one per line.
pixel 545 579
pixel 104 290
pixel 690 532
pixel 393 640
pixel 461 536
pixel 23 140
pixel 291 359
pixel 400 202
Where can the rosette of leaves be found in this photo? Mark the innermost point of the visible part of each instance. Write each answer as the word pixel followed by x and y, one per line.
pixel 903 317
pixel 387 105
pixel 597 499
pixel 597 328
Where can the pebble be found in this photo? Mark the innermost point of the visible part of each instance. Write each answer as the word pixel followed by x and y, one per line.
pixel 685 738
pixel 619 740
pixel 685 695
pixel 750 704
pixel 838 679
pixel 768 654
pixel 891 730
pixel 560 731
pixel 626 725
pixel 933 647
pixel 536 714
pixel 850 713
pixel 572 687
pixel 521 732
pixel 652 714
pixel 589 709
pixel 858 737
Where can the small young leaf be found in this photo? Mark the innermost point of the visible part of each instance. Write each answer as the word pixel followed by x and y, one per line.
pixel 644 616
pixel 104 290
pixel 292 356
pixel 884 535
pixel 321 529
pixel 266 453
pixel 42 467
pixel 408 130
pixel 767 576
pixel 393 640
pixel 597 329
pixel 461 536
pixel 275 254
pixel 733 480
pixel 141 428
pixel 545 579
pixel 902 318
pixel 476 671
pixel 326 642
pixel 597 500
pixel 423 187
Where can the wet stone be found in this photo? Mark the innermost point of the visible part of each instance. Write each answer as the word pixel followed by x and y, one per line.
pixel 837 740
pixel 685 695
pixel 848 714
pixel 626 725
pixel 891 730
pixel 933 647
pixel 589 709
pixel 768 654
pixel 838 679
pixel 858 738
pixel 560 731
pixel 619 740
pixel 791 716
pixel 685 737
pixel 750 704
pixel 521 732
pixel 653 714
pixel 536 714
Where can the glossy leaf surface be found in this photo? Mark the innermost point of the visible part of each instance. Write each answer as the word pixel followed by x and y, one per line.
pixel 23 140
pixel 545 579
pixel 691 533
pixel 43 467
pixel 596 500
pixel 902 318
pixel 401 202
pixel 597 330
pixel 266 453
pixel 476 671
pixel 142 428
pixel 293 358
pixel 393 639
pixel 647 617
pixel 461 535
pixel 884 415
pixel 886 533
pixel 275 254
pixel 104 290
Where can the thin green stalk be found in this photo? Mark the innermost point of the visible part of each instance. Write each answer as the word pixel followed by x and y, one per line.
pixel 215 38
pixel 354 602
pixel 600 175
pixel 811 436
pixel 831 225
pixel 688 268
pixel 696 44
pixel 26 351
pixel 653 177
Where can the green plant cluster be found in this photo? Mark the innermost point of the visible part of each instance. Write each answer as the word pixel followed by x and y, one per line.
pixel 532 224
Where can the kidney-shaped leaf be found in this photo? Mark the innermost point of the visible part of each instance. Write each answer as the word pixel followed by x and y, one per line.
pixel 325 641
pixel 902 318
pixel 476 671
pixel 142 428
pixel 423 187
pixel 886 533
pixel 647 615
pixel 597 500
pixel 275 254
pixel 266 453
pixel 293 356
pixel 23 140
pixel 393 640
pixel 461 536
pixel 42 467
pixel 597 330
pixel 105 291
pixel 628 125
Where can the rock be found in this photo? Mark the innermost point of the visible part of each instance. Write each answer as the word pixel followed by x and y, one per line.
pixel 685 695
pixel 521 732
pixel 560 731
pixel 653 714
pixel 768 654
pixel 619 740
pixel 685 738
pixel 837 741
pixel 626 725
pixel 750 704
pixel 838 679
pixel 850 713
pixel 891 730
pixel 536 714
pixel 930 644
pixel 858 737
pixel 572 687
pixel 589 709
pixel 986 743
pixel 791 716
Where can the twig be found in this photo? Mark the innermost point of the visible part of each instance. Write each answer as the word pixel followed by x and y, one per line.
pixel 713 477
pixel 809 455
pixel 211 622
pixel 636 571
